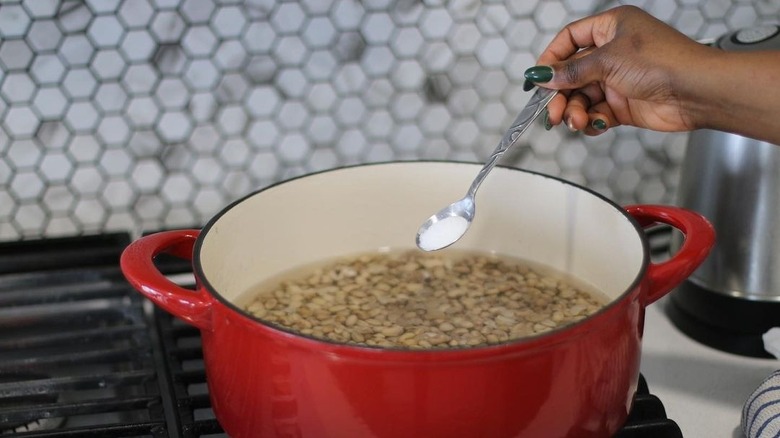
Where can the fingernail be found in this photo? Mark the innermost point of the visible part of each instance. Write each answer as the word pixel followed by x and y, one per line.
pixel 570 124
pixel 599 124
pixel 527 85
pixel 539 73
pixel 546 119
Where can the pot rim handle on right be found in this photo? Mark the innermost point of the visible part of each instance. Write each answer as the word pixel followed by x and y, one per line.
pixel 699 238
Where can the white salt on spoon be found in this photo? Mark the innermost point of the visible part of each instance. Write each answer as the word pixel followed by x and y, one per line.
pixel 443 232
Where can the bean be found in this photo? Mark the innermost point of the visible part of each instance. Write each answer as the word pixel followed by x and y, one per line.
pixel 446 327
pixel 395 330
pixel 420 301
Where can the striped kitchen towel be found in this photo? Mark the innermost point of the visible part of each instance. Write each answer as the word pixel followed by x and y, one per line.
pixel 761 413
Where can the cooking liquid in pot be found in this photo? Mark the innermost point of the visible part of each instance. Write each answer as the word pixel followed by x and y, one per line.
pixel 414 299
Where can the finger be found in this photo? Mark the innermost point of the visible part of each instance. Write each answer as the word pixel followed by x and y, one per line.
pixel 580 104
pixel 528 84
pixel 558 104
pixel 555 109
pixel 571 106
pixel 593 92
pixel 576 113
pixel 562 66
pixel 594 31
pixel 564 44
pixel 601 119
pixel 579 70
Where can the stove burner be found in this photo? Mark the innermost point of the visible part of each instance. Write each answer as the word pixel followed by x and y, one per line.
pixel 26 393
pixel 35 426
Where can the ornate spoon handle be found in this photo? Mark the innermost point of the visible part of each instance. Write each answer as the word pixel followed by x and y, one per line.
pixel 532 109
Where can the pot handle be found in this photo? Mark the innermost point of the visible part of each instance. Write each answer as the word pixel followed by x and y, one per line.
pixel 699 239
pixel 138 267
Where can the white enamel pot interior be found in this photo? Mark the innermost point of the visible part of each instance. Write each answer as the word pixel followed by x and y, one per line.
pixel 374 207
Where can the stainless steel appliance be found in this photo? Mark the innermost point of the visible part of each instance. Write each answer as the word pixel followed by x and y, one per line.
pixel 734 297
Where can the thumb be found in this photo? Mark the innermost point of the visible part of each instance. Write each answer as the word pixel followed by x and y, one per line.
pixel 581 69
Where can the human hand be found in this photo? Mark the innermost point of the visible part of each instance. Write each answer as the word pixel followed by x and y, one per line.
pixel 620 67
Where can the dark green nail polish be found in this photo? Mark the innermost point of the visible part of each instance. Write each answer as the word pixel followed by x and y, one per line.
pixel 546 119
pixel 599 124
pixel 539 73
pixel 527 85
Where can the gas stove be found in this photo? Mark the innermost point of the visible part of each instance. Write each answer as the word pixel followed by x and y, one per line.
pixel 84 355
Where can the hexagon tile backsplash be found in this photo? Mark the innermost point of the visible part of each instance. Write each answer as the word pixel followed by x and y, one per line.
pixel 146 114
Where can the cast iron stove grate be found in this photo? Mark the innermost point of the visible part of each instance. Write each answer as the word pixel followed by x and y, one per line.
pixel 83 355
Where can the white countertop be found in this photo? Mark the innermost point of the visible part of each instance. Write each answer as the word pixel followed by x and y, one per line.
pixel 702 389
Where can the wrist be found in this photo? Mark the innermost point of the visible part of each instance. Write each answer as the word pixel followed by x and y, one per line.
pixel 736 92
pixel 700 84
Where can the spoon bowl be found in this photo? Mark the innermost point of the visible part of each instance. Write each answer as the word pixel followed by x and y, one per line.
pixel 447 226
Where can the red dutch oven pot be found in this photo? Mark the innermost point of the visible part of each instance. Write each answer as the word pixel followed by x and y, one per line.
pixel 266 381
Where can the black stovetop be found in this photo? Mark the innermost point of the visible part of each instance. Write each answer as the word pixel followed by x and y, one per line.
pixel 83 355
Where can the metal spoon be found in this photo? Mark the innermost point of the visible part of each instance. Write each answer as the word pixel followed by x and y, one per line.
pixel 451 223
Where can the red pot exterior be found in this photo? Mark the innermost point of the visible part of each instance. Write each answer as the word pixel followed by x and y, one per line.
pixel 575 383
pixel 578 381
